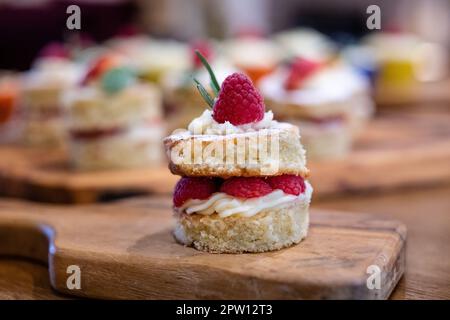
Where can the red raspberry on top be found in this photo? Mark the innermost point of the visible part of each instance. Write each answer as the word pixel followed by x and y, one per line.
pixel 193 188
pixel 238 102
pixel 300 70
pixel 288 183
pixel 242 187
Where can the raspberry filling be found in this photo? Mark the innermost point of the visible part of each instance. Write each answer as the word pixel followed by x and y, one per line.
pixel 240 187
pixel 290 184
pixel 48 113
pixel 88 134
pixel 193 188
pixel 94 133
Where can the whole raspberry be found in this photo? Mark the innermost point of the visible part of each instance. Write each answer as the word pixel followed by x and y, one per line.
pixel 288 183
pixel 299 71
pixel 242 187
pixel 193 188
pixel 238 102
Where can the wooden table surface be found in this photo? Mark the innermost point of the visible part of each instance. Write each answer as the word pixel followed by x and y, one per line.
pixel 426 212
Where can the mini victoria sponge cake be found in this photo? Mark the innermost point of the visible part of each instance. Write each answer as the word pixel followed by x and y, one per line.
pixel 243 185
pixel 114 130
pixel 329 103
pixel 42 89
pixel 243 218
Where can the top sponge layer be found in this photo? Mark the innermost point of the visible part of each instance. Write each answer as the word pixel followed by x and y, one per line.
pixel 265 152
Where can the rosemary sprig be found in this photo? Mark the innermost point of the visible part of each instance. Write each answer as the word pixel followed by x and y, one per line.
pixel 209 100
pixel 214 84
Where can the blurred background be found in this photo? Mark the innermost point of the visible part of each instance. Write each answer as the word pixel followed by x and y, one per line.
pixel 342 20
pixel 83 112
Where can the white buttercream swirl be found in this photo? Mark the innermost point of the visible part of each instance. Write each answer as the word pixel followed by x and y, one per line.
pixel 225 205
pixel 329 85
pixel 205 124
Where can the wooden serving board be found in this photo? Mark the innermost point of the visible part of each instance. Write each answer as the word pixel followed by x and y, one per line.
pixel 397 149
pixel 44 175
pixel 126 251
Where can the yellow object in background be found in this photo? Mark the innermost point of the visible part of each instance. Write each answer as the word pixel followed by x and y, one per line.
pixel 396 72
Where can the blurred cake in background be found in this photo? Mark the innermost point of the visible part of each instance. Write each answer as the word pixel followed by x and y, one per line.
pixel 330 102
pixel 306 43
pixel 52 74
pixel 113 119
pixel 404 58
pixel 156 58
pixel 406 66
pixel 256 56
pixel 128 45
pixel 181 99
pixel 9 112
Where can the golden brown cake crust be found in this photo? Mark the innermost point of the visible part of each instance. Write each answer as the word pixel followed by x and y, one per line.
pixel 206 171
pixel 288 158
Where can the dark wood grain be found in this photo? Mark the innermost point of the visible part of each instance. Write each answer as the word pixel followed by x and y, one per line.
pixel 25 280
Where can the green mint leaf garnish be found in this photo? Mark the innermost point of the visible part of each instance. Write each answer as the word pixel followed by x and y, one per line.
pixel 214 84
pixel 204 94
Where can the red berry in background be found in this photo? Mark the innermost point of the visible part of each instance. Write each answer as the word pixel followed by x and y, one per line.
pixel 54 50
pixel 238 102
pixel 250 32
pixel 193 188
pixel 290 184
pixel 128 31
pixel 300 70
pixel 100 66
pixel 205 48
pixel 9 92
pixel 243 187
